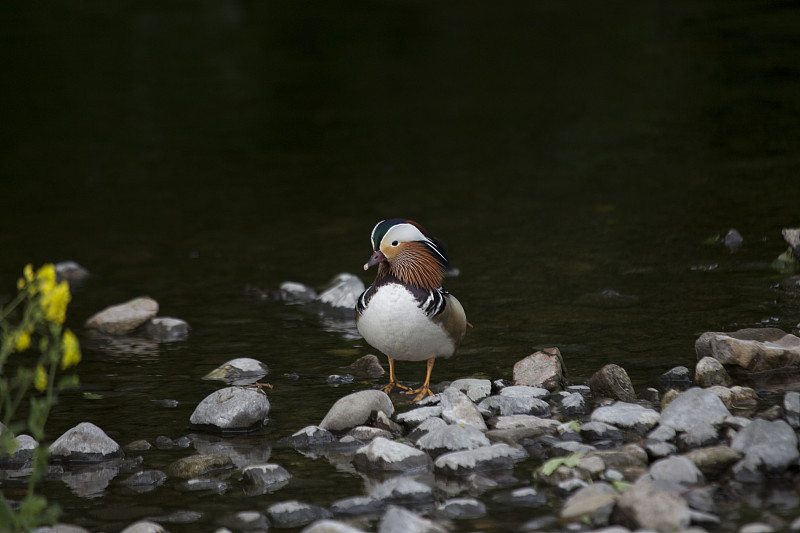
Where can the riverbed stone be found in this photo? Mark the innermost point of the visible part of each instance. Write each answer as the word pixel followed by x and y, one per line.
pixel 85 443
pixel 293 513
pixel 623 458
pixel 532 422
pixel 600 431
pixel 232 409
pixel 644 506
pixel 497 456
pixel 676 469
pixel 368 433
pixel 384 455
pixel 426 427
pixel 145 526
pixel 145 480
pixel 678 378
pixel 367 366
pixel 416 416
pixel 503 405
pixel 400 520
pixel 475 389
pixel 358 506
pixel 263 478
pixel 123 318
pixel 198 465
pixel 22 456
pixel 458 409
pixel 166 329
pixel 752 349
pixel 611 381
pixel 694 406
pixel 294 292
pixel 310 437
pixel 736 397
pixel 402 490
pixel 629 417
pixel 239 371
pixel 590 505
pixel 460 509
pixel 572 405
pixel 330 526
pixel 768 447
pixel 791 408
pixel 356 409
pixel 342 292
pixel 544 368
pixel 452 438
pixel 713 460
pixel 709 371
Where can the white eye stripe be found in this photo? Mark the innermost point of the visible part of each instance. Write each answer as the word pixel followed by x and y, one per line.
pixel 408 233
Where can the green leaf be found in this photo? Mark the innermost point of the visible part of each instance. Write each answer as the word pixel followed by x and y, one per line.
pixel 575 426
pixel 572 460
pixel 620 486
pixel 70 381
pixel 92 396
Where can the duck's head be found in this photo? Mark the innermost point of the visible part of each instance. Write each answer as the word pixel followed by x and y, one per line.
pixel 408 251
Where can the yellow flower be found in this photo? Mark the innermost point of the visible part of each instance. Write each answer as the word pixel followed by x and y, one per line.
pixel 71 349
pixel 28 272
pixel 21 284
pixel 46 278
pixel 54 302
pixel 40 380
pixel 23 341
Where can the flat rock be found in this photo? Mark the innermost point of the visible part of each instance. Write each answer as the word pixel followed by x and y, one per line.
pixel 330 526
pixel 452 438
pixel 461 509
pixel 525 422
pixel 295 514
pixel 753 349
pixel 294 292
pixel 769 447
pixel 145 480
pixel 591 505
pixel 644 506
pixel 500 405
pixel 416 416
pixel 367 366
pixel 342 292
pixel 611 381
pixel 232 408
pixel 71 272
pixel 166 329
pixel 85 443
pixel 495 457
pixel 676 469
pixel 123 318
pixel 426 427
pixel 399 520
pixel 709 371
pixel 475 389
pixel 144 526
pixel 263 478
pixel 358 506
pixel 368 433
pixel 458 409
pixel 600 431
pixel 311 437
pixel 383 455
pixel 239 371
pixel 198 465
pixel 713 460
pixel 694 406
pixel 356 409
pixel 627 416
pixel 402 490
pixel 628 456
pixel 544 368
pixel 678 378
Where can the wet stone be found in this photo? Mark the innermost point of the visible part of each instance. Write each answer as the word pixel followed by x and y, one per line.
pixel 310 437
pixel 591 505
pixel 85 443
pixel 71 272
pixel 657 449
pixel 239 371
pixel 356 409
pixel 263 478
pixel 384 455
pixel 475 389
pixel 367 366
pixel 198 465
pixel 166 329
pixel 752 349
pixel 495 457
pixel 502 405
pixel 399 520
pixel 367 433
pixel 342 292
pixel 541 369
pixel 336 380
pixel 791 406
pixel 123 318
pixel 358 506
pixel 600 431
pixel 145 481
pixel 710 372
pixel 697 436
pixel 402 490
pixel 678 378
pixel 22 456
pixel 144 526
pixel 246 521
pixel 692 407
pixel 452 438
pixel 205 485
pixel 525 422
pixel 232 409
pixel 644 506
pixel 611 381
pixel 627 416
pixel 676 469
pixel 522 497
pixel 331 526
pixel 293 292
pixel 458 409
pixel 573 405
pixel 165 443
pixel 461 509
pixel 713 460
pixel 768 447
pixel 420 414
pixel 295 514
pixel 426 427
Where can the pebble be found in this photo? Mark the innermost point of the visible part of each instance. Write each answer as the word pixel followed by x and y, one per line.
pixel 167 329
pixel 263 478
pixel 295 514
pixel 85 443
pixel 494 457
pixel 356 409
pixel 458 409
pixel 611 381
pixel 475 389
pixel 239 371
pixel 123 318
pixel 452 438
pixel 367 366
pixel 544 368
pixel 232 408
pixel 384 455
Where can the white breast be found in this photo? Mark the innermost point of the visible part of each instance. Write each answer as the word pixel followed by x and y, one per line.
pixel 394 324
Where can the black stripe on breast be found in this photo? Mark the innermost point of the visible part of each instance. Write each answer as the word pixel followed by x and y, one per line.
pixel 432 302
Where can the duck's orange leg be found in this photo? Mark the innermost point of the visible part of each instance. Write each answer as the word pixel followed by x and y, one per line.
pixel 425 390
pixel 393 383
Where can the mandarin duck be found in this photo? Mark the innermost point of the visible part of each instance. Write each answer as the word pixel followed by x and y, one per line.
pixel 405 313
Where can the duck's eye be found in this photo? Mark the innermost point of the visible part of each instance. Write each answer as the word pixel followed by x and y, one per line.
pixel 395 243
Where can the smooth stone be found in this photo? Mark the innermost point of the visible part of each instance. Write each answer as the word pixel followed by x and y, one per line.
pixel 676 469
pixel 294 292
pixel 167 329
pixel 753 349
pixel 452 438
pixel 544 368
pixel 628 456
pixel 336 380
pixel 709 371
pixel 494 457
pixel 399 520
pixel 264 478
pixel 311 437
pixel 384 455
pixel 293 513
pixel 367 366
pixel 611 381
pixel 85 443
pixel 245 521
pixel 644 506
pixel 330 526
pixel 145 480
pixel 60 528
pixel 662 432
pixel 756 527
pixel 420 414
pixel 769 447
pixel 522 497
pixel 402 490
pixel 205 485
pixel 525 391
pixel 628 416
pixel 461 509
pixel 356 409
pixel 525 422
pixel 568 447
pixel 198 465
pixel 458 409
pixel 656 449
pixel 144 526
pixel 600 431
pixel 791 408
pixel 123 318
pixel 713 460
pixel 342 292
pixel 232 408
pixel 501 405
pixel 591 505
pixel 239 371
pixel 573 405
pixel 71 272
pixel 692 407
pixel 677 378
pixel 475 389
pixel 426 427
pixel 736 397
pixel 22 456
pixel 367 433
pixel 699 435
pixel 358 506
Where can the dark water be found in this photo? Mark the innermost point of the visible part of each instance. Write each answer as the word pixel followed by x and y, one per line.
pixel 561 149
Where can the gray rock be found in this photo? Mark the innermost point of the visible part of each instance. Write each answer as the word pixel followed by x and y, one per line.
pixel 144 526
pixel 713 460
pixel 736 397
pixel 85 443
pixel 145 480
pixel 232 408
pixel 710 372
pixel 22 456
pixel 399 520
pixel 699 435
pixel 383 455
pixel 71 272
pixel 367 366
pixel 522 497
pixel 600 431
pixel 525 422
pixel 525 391
pixel 311 437
pixel 60 528
pixel 416 416
pixel 330 526
pixel 768 447
pixel 461 509
pixel 732 240
pixel 452 438
pixel 239 371
pixel 198 465
pixel 791 406
pixel 692 407
pixel 123 318
pixel 458 409
pixel 677 378
pixel 245 521
pixel 627 416
pixel 426 427
pixel 402 490
pixel 591 505
pixel 676 469
pixel 626 457
pixel 294 292
pixel 367 433
pixel 205 485
pixel 662 432
pixel 568 447
pixel 611 381
pixel 356 409
pixel 336 380
pixel 544 368
pixel 342 292
pixel 475 389
pixel 756 527
pixel 657 449
pixel 753 349
pixel 504 405
pixel 644 506
pixel 573 405
pixel 358 506
pixel 167 329
pixel 293 513
pixel 495 457
pixel 263 478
